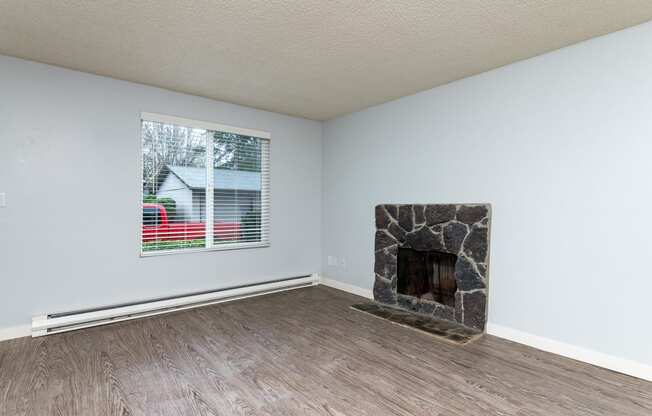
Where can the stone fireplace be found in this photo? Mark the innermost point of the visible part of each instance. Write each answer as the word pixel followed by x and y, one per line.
pixel 433 260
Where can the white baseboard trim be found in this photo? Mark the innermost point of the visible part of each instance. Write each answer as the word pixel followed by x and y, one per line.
pixel 620 365
pixel 15 332
pixel 356 290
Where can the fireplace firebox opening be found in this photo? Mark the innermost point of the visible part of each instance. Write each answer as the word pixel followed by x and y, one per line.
pixel 427 275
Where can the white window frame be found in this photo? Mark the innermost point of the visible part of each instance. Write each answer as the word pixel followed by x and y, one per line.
pixel 264 190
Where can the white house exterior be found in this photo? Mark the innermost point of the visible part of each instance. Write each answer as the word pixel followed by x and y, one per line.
pixel 236 192
pixel 187 209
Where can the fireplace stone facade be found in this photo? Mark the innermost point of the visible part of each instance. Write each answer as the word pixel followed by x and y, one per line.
pixel 459 229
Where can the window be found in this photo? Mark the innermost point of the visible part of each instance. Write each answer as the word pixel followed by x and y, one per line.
pixel 205 186
pixel 150 215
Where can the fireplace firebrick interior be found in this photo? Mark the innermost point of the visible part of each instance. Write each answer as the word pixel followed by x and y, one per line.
pixel 427 275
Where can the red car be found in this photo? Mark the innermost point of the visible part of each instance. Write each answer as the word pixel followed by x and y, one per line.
pixel 157 227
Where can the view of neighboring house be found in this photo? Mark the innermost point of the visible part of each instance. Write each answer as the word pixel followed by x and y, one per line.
pixel 235 192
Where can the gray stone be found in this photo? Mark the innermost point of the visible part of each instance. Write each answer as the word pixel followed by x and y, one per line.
pixel 437 214
pixel 383 240
pixel 392 210
pixel 397 232
pixel 406 217
pixel 466 276
pixel 459 307
pixel 470 214
pixel 444 312
pixel 385 264
pixel 475 245
pixel 419 214
pixel 425 307
pixel 382 217
pixel 424 239
pixel 383 291
pixel 482 268
pixel 406 302
pixel 454 234
pixel 475 307
pixel 415 305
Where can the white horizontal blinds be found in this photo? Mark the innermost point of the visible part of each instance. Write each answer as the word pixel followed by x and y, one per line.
pixel 241 189
pixel 205 185
pixel 174 187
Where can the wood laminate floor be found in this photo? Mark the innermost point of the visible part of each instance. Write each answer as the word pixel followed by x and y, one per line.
pixel 303 352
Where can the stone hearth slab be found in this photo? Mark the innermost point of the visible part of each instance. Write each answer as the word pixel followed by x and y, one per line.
pixel 452 332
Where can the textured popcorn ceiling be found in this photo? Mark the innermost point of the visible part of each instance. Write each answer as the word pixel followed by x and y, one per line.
pixel 312 58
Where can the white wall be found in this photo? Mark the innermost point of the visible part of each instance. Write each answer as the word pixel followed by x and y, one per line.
pixel 70 165
pixel 560 145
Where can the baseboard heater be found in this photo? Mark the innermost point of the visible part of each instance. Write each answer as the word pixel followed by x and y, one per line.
pixel 68 321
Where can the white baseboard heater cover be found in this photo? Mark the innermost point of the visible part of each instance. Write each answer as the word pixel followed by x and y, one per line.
pixel 68 321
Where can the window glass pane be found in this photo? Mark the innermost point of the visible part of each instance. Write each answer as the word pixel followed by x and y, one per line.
pixel 174 185
pixel 238 187
pixel 150 216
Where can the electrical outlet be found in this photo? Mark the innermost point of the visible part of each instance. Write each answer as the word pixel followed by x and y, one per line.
pixel 332 261
pixel 3 200
pixel 343 262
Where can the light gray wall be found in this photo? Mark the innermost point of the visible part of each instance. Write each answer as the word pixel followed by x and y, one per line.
pixel 70 165
pixel 560 145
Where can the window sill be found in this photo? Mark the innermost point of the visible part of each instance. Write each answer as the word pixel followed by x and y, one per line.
pixel 221 247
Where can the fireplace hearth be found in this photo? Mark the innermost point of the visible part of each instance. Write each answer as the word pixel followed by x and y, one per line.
pixel 433 260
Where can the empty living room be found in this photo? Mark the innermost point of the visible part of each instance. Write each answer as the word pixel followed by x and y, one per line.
pixel 338 208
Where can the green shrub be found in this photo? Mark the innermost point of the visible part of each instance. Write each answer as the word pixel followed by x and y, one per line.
pixel 172 245
pixel 169 204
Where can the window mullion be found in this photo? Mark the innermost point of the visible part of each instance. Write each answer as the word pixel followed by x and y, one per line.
pixel 209 190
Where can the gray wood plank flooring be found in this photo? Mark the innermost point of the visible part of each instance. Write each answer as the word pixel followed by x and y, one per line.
pixel 303 352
